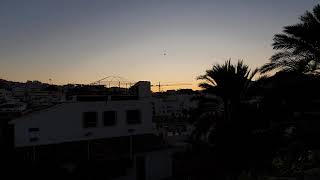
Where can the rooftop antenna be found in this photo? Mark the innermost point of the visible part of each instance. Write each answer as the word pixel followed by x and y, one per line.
pixel 159 86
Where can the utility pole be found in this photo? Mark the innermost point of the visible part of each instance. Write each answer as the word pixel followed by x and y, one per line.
pixel 131 134
pixel 88 134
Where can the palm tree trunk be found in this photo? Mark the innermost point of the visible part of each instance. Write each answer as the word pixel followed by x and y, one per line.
pixel 227 110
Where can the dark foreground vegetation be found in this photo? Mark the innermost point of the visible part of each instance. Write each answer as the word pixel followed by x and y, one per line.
pixel 268 127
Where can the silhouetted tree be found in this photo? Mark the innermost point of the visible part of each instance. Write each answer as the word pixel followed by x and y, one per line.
pixel 228 81
pixel 299 46
pixel 228 132
pixel 202 117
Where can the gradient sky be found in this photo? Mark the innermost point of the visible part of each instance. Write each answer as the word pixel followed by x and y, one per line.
pixel 80 41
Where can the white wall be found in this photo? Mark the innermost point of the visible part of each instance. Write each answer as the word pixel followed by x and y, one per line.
pixel 64 122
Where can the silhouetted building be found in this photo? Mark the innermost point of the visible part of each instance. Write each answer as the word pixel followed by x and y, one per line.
pixel 115 130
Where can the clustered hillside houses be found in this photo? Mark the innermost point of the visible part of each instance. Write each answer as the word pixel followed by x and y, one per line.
pixel 116 126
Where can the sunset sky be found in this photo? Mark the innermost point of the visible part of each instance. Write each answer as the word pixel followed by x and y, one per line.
pixel 172 41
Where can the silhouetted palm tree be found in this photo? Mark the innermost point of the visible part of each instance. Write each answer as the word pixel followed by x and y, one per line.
pixel 228 81
pixel 299 46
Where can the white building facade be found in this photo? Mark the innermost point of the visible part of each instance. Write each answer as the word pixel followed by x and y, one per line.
pixel 97 128
pixel 68 122
pixel 84 120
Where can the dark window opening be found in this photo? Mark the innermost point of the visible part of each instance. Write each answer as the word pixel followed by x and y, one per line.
pixel 33 129
pixel 34 139
pixel 133 117
pixel 109 118
pixel 90 119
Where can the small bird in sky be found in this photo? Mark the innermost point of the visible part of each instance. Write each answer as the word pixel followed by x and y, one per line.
pixel 164 53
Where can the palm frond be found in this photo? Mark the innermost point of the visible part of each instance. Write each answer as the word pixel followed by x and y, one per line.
pixel 316 12
pixel 230 80
pixel 308 18
pixel 298 45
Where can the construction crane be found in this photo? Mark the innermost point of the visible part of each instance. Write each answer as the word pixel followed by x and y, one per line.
pixel 115 81
pixel 108 79
pixel 159 85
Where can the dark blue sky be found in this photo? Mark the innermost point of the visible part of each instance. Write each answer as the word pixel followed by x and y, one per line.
pixel 84 40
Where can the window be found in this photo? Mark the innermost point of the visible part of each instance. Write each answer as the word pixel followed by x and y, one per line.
pixel 33 134
pixel 133 117
pixel 33 129
pixel 109 118
pixel 90 119
pixel 34 139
